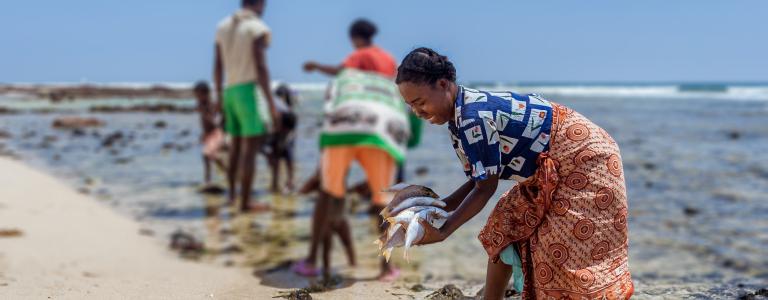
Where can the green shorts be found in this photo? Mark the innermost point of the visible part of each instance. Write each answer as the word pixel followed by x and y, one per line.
pixel 242 116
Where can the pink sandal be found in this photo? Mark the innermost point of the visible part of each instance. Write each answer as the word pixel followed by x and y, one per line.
pixel 304 269
pixel 390 276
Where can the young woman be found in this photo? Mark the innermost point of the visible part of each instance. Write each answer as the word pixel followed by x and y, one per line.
pixel 564 222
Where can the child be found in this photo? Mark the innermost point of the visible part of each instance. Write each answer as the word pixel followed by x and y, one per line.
pixel 563 226
pixel 211 137
pixel 282 141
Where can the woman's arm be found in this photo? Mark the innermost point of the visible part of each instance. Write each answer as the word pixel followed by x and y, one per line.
pixel 472 204
pixel 329 70
pixel 453 200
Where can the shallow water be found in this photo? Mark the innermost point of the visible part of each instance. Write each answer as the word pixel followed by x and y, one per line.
pixel 697 178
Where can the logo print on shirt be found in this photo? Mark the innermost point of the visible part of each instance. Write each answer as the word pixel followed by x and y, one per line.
pixel 502 119
pixel 517 163
pixel 472 96
pixel 507 144
pixel 518 110
pixel 541 142
pixel 537 100
pixel 473 134
pixel 460 152
pixel 503 95
pixel 490 126
pixel 535 121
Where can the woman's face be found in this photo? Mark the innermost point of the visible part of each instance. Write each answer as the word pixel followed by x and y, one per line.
pixel 434 103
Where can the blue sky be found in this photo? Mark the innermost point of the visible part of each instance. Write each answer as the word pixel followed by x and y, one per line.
pixel 172 40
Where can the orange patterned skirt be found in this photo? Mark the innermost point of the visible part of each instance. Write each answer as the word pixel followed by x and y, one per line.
pixel 570 219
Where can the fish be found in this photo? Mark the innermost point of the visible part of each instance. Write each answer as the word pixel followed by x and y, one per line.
pixel 406 229
pixel 415 232
pixel 416 201
pixel 405 191
pixel 405 216
pixel 396 239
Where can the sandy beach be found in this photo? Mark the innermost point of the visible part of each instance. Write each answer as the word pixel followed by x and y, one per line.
pixel 71 247
pixel 57 243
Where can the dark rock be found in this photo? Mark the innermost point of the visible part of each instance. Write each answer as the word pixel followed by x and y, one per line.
pixel 691 211
pixel 421 171
pixel 184 132
pixel 212 189
pixel 649 165
pixel 160 124
pixel 7 111
pixel 5 134
pixel 76 122
pixel 759 171
pixel 151 108
pixel 231 249
pixel 759 294
pixel 50 138
pixel 301 294
pixel 734 135
pixel 78 132
pixel 418 288
pixel 185 243
pixel 146 231
pixel 448 292
pixel 111 139
pixel 649 184
pixel 123 160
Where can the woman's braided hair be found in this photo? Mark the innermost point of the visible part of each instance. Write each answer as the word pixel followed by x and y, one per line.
pixel 424 65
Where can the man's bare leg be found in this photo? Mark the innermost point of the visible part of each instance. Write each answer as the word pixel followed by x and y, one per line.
pixel 234 162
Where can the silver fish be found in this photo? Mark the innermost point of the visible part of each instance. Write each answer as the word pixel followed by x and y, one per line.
pixel 404 191
pixel 416 201
pixel 396 239
pixel 434 216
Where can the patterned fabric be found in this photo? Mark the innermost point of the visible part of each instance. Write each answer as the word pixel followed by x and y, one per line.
pixel 500 133
pixel 570 219
pixel 366 109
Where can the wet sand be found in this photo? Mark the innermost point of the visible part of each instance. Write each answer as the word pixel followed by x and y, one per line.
pixel 67 246
pixel 72 247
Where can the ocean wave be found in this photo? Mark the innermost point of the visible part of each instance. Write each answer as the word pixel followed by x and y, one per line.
pixel 679 91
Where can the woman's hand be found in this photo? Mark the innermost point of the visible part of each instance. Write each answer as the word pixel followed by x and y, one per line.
pixel 310 66
pixel 431 234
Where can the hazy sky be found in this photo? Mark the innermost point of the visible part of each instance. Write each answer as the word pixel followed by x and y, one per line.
pixel 172 40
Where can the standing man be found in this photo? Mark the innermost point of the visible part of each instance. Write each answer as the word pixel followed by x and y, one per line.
pixel 241 43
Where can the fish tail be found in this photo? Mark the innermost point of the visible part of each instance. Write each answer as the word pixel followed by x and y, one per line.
pixel 387 254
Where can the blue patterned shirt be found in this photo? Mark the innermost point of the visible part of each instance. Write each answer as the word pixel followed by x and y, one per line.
pixel 500 133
